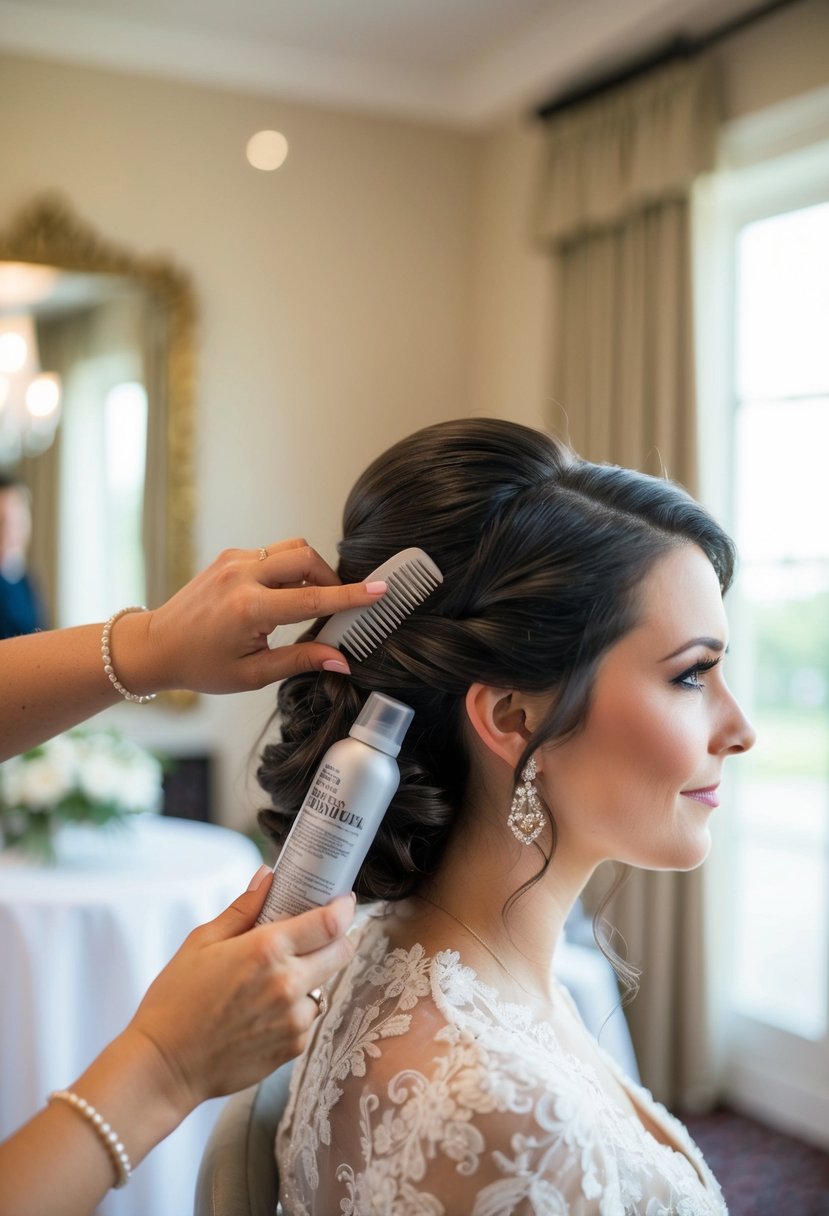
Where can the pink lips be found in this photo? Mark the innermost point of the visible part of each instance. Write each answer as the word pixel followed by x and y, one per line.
pixel 709 797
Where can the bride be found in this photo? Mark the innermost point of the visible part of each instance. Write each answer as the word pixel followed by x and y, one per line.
pixel 570 707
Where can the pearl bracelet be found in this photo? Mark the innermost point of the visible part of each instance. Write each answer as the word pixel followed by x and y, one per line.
pixel 107 657
pixel 109 1138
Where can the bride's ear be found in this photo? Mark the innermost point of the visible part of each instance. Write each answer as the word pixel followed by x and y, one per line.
pixel 498 717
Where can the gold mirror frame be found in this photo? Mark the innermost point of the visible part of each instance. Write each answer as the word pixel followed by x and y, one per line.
pixel 48 232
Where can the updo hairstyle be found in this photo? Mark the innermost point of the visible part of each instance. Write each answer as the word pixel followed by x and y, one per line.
pixel 542 555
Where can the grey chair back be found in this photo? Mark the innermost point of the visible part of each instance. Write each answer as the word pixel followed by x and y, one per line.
pixel 237 1175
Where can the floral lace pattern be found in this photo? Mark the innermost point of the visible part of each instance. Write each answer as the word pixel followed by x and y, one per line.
pixel 421 1093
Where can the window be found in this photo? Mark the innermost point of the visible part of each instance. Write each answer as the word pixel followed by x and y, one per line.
pixel 781 521
pixel 762 288
pixel 102 455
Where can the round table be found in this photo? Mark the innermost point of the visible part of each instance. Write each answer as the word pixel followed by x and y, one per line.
pixel 80 943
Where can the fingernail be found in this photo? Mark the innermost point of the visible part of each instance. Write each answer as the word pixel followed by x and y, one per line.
pixel 337 665
pixel 376 588
pixel 259 877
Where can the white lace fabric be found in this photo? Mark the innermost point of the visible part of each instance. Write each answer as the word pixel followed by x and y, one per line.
pixel 421 1093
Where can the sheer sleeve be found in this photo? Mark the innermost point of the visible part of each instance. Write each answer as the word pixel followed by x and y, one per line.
pixel 464 1132
pixel 421 1095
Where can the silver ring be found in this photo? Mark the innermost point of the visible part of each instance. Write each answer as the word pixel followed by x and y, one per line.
pixel 320 1000
pixel 263 553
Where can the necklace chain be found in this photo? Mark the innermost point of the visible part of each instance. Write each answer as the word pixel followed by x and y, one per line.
pixel 478 939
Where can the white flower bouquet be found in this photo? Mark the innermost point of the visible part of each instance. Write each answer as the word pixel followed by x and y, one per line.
pixel 90 778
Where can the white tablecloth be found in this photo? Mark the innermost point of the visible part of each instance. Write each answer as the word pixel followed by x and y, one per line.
pixel 80 944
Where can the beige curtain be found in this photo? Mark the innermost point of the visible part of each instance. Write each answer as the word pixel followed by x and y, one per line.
pixel 624 372
pixel 613 211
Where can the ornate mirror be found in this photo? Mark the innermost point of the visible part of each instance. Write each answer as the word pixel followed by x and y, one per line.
pixel 112 493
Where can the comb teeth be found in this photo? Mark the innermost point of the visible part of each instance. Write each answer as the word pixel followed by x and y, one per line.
pixel 411 576
pixel 408 587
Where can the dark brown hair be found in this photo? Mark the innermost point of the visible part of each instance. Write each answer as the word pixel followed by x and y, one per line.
pixel 542 555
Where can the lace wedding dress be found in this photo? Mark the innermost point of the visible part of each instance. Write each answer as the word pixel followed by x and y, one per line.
pixel 421 1093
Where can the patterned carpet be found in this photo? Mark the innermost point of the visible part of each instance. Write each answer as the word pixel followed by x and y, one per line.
pixel 762 1172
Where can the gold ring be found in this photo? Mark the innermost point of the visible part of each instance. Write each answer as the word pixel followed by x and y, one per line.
pixel 320 999
pixel 263 553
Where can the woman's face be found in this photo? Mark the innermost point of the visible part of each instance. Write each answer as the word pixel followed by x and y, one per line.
pixel 639 782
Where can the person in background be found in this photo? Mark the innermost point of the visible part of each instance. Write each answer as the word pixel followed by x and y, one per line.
pixel 21 610
pixel 236 1000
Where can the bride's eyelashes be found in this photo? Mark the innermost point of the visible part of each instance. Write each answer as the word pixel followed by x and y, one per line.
pixel 690 678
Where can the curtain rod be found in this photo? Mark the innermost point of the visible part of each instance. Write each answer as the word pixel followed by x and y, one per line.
pixel 679 47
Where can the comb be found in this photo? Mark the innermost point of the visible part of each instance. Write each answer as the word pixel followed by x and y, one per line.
pixel 411 576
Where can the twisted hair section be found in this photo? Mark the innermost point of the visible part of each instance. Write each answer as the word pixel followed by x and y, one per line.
pixel 542 554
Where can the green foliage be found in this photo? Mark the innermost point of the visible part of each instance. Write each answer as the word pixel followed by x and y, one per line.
pixel 790 637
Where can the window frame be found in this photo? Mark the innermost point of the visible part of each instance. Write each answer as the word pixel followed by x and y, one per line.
pixel 776 161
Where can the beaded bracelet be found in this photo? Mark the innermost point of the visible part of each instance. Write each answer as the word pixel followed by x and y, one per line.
pixel 107 657
pixel 109 1138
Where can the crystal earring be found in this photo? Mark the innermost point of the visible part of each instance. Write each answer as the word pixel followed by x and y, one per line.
pixel 526 818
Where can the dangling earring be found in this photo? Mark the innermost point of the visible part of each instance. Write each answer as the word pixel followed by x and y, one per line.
pixel 526 818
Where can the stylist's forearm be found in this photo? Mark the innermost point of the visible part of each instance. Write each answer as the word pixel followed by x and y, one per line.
pixel 49 682
pixel 78 1172
pixel 211 636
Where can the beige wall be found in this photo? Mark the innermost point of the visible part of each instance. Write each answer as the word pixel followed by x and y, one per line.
pixel 510 282
pixel 333 296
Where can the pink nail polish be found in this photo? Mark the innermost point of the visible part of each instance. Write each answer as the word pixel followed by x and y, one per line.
pixel 337 665
pixel 376 588
pixel 259 877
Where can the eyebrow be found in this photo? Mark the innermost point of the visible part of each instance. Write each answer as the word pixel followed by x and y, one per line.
pixel 708 643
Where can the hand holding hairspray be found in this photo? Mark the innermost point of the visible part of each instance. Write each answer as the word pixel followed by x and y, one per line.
pixel 343 809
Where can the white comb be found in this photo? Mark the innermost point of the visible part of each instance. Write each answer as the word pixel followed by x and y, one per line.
pixel 411 576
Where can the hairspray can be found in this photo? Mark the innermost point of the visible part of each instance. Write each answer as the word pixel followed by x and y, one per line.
pixel 341 812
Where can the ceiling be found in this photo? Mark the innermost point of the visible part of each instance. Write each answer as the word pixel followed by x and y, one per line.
pixel 460 62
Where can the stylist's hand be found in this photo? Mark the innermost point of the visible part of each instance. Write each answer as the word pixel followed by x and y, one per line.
pixel 212 636
pixel 232 1005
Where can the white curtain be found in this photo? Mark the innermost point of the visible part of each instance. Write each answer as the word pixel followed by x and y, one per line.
pixel 613 211
pixel 157 504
